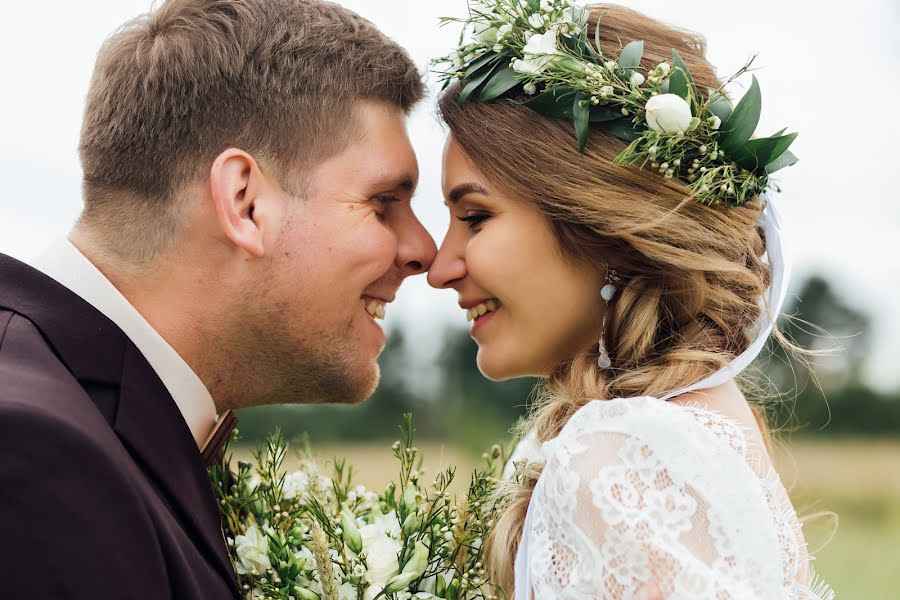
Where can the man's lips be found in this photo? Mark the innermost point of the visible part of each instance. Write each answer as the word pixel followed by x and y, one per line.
pixel 375 305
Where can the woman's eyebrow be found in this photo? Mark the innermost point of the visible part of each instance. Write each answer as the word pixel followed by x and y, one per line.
pixel 465 188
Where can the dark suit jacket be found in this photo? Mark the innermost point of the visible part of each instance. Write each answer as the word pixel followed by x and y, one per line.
pixel 103 493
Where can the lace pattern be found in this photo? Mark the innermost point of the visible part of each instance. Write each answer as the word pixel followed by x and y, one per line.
pixel 639 490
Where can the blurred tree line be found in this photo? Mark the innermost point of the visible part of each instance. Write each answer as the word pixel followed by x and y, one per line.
pixel 818 394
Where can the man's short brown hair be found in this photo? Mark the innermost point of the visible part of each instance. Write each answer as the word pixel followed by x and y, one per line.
pixel 174 88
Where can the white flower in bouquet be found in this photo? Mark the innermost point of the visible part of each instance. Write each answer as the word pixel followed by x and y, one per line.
pixel 295 484
pixel 303 536
pixel 668 113
pixel 252 551
pixel 381 551
pixel 540 51
pixel 485 33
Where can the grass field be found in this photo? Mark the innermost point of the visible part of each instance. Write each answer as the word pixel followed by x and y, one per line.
pixel 847 490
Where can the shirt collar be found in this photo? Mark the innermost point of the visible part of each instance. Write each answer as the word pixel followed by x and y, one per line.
pixel 63 262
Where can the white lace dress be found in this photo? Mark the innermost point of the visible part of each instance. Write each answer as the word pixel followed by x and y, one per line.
pixel 640 490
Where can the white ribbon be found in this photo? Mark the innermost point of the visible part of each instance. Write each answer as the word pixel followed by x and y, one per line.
pixel 780 268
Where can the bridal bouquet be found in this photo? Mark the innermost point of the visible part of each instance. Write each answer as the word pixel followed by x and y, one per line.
pixel 306 535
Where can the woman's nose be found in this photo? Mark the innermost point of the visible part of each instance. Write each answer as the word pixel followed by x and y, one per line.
pixel 448 266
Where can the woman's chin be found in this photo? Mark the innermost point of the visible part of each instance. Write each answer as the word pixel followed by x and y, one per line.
pixel 494 367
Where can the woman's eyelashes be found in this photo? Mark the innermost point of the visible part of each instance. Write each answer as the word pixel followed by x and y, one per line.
pixel 474 218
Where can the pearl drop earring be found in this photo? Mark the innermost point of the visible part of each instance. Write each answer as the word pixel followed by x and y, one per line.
pixel 606 293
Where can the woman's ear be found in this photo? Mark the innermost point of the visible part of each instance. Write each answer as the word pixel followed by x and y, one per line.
pixel 235 184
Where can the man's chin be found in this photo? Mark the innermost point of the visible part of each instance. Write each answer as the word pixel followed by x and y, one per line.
pixel 368 387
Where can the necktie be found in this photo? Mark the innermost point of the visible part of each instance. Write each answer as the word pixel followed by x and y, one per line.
pixel 212 449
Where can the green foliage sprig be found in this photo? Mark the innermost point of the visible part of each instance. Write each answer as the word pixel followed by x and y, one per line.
pixel 306 536
pixel 540 48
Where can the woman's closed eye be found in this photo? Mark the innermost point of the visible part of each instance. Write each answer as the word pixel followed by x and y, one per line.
pixel 474 218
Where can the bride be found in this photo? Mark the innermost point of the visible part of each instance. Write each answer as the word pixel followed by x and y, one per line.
pixel 635 288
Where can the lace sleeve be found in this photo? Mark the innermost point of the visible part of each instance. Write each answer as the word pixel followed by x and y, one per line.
pixel 637 492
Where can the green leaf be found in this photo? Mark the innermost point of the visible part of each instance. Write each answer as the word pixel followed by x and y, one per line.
pixel 630 57
pixel 500 82
pixel 622 129
pixel 581 112
pixel 474 82
pixel 555 102
pixel 758 153
pixel 534 4
pixel 719 105
pixel 602 114
pixel 478 63
pixel 682 83
pixel 785 160
pixel 736 131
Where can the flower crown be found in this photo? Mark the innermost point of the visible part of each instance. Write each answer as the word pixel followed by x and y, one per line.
pixel 541 48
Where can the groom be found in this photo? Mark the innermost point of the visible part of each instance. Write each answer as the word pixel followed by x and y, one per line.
pixel 247 185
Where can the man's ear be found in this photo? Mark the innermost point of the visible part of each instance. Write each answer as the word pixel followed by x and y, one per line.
pixel 235 184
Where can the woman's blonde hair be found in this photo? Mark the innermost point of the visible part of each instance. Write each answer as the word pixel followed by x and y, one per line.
pixel 691 275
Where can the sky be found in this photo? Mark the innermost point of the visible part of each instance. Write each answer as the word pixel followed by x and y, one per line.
pixel 826 70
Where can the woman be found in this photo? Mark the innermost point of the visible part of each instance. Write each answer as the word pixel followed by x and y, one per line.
pixel 638 303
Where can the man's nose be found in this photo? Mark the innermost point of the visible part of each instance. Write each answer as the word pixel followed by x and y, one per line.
pixel 416 249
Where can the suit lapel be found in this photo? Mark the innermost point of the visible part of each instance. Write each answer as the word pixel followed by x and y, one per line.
pixel 144 415
pixel 153 430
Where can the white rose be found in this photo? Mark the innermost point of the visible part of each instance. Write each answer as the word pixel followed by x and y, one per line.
pixel 668 113
pixel 381 554
pixel 252 551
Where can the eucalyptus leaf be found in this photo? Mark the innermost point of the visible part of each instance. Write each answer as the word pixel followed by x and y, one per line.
pixel 555 102
pixel 622 129
pixel 785 160
pixel 534 4
pixel 719 105
pixel 581 115
pixel 630 58
pixel 473 83
pixel 758 153
pixel 740 125
pixel 602 114
pixel 501 81
pixel 681 82
pixel 478 63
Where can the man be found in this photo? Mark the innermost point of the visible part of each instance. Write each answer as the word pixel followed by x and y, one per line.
pixel 247 185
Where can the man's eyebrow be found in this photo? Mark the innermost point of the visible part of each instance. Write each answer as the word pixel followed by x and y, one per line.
pixel 404 181
pixel 465 188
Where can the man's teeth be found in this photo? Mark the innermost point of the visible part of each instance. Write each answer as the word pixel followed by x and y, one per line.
pixel 375 308
pixel 482 309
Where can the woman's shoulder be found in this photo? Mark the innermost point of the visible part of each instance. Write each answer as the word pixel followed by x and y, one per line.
pixel 709 419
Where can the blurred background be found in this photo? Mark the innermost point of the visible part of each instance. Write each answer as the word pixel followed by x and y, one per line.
pixel 826 71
